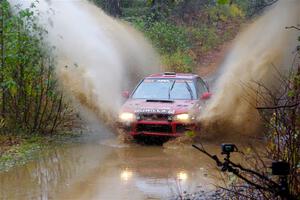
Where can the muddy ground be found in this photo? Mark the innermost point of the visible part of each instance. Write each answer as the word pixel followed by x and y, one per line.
pixel 97 166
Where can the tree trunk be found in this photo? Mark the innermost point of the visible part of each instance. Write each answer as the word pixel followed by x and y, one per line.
pixel 114 7
pixel 2 60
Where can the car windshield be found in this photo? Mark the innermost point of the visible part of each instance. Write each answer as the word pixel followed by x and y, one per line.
pixel 174 89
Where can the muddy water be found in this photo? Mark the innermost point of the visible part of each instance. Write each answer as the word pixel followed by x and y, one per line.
pixel 94 167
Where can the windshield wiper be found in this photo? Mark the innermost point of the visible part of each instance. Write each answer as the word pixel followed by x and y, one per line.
pixel 170 89
pixel 189 89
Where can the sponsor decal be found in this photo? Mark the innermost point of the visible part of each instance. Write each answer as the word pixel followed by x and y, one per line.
pixel 151 110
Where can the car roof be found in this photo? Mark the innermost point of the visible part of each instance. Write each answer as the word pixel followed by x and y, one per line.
pixel 174 75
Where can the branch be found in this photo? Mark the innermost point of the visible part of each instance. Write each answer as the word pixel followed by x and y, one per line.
pixel 261 176
pixel 277 107
pixel 214 157
pixel 237 193
pixel 293 27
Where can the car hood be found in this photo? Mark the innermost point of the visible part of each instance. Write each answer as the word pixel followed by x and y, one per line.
pixel 152 106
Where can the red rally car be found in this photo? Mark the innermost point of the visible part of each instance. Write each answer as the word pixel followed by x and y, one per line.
pixel 164 105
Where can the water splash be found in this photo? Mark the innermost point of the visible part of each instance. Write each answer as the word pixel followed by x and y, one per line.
pixel 261 50
pixel 98 56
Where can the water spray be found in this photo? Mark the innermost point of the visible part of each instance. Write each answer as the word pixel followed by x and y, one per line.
pixel 97 56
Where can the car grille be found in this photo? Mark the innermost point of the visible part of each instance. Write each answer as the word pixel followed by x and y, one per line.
pixel 154 117
pixel 154 128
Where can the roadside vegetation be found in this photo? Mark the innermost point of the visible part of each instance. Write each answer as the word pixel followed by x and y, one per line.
pixel 31 103
pixel 184 32
pixel 17 150
pixel 272 171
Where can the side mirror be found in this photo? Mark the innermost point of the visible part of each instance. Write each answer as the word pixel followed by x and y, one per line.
pixel 205 95
pixel 125 94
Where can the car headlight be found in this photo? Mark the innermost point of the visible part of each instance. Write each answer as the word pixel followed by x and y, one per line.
pixel 182 117
pixel 127 117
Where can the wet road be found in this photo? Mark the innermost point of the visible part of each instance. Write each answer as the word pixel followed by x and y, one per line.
pixel 98 167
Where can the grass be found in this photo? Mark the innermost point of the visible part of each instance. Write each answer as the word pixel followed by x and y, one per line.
pixel 18 150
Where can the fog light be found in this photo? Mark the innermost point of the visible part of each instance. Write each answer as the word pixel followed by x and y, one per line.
pixel 182 117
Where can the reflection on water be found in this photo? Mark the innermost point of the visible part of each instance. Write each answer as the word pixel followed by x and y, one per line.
pixel 182 176
pixel 126 175
pixel 54 172
pixel 93 170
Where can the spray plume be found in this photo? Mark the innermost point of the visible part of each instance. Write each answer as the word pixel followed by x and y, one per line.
pixel 97 56
pixel 258 53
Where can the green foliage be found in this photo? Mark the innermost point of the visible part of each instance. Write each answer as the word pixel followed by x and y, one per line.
pixel 283 133
pixel 134 12
pixel 222 2
pixel 225 13
pixel 21 153
pixel 180 44
pixel 178 61
pixel 242 4
pixel 29 97
pixel 206 37
pixel 166 37
pixel 236 11
pixel 171 41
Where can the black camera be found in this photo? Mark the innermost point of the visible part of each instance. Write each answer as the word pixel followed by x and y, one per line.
pixel 228 148
pixel 280 168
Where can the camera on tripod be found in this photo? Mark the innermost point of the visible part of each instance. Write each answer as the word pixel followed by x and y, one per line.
pixel 228 148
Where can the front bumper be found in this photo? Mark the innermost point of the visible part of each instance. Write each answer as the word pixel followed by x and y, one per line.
pixel 158 128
